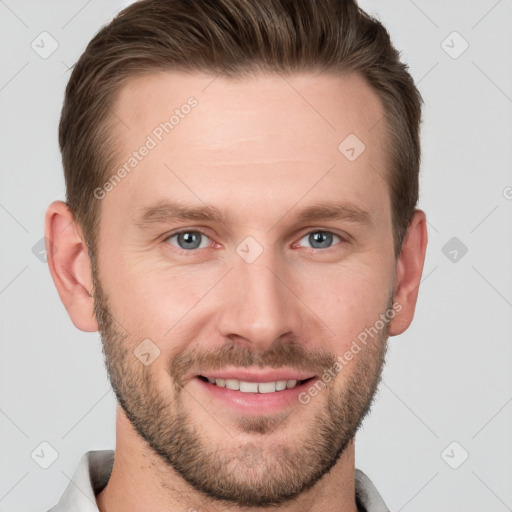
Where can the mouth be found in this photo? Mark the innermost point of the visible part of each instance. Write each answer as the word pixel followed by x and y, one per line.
pixel 251 391
pixel 264 387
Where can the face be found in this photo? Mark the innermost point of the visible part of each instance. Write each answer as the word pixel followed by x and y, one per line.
pixel 239 259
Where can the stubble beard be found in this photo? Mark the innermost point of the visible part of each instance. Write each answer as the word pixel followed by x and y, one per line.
pixel 255 473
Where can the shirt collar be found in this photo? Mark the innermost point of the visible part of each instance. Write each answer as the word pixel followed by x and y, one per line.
pixel 89 479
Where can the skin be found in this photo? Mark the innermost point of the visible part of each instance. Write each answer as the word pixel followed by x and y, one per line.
pixel 260 151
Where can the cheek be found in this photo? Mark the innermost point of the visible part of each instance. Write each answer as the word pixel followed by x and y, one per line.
pixel 349 300
pixel 158 302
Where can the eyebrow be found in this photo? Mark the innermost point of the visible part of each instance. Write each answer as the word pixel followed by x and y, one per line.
pixel 336 211
pixel 167 211
pixel 172 211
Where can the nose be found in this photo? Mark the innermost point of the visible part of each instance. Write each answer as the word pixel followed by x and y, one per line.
pixel 258 305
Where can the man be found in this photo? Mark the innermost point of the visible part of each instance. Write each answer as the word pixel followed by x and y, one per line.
pixel 241 228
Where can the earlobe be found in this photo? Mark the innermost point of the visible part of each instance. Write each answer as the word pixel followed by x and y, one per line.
pixel 70 266
pixel 408 273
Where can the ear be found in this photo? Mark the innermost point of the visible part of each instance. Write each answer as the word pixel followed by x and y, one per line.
pixel 408 273
pixel 70 266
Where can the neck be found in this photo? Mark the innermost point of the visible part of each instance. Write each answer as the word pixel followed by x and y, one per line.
pixel 140 480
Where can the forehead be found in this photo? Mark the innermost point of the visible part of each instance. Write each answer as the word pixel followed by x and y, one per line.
pixel 281 133
pixel 301 106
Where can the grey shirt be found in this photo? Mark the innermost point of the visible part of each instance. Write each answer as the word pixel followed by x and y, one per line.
pixel 95 467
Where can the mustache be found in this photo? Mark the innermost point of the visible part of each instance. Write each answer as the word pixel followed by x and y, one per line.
pixel 290 354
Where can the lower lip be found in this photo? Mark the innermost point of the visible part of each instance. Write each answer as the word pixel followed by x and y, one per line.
pixel 258 403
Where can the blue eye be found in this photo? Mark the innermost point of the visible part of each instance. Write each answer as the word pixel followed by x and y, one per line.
pixel 320 239
pixel 190 240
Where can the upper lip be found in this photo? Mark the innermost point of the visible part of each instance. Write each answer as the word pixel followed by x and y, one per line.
pixel 248 375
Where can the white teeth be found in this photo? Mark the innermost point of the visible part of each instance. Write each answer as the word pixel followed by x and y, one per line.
pixel 267 387
pixel 254 387
pixel 233 384
pixel 280 385
pixel 248 387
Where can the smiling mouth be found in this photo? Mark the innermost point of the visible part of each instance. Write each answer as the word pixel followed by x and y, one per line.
pixel 255 387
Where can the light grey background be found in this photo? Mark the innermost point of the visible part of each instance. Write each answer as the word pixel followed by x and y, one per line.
pixel 448 378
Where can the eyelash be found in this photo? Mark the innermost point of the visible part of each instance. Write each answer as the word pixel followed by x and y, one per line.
pixel 193 251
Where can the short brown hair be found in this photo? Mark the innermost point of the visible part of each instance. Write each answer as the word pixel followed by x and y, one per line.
pixel 233 38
